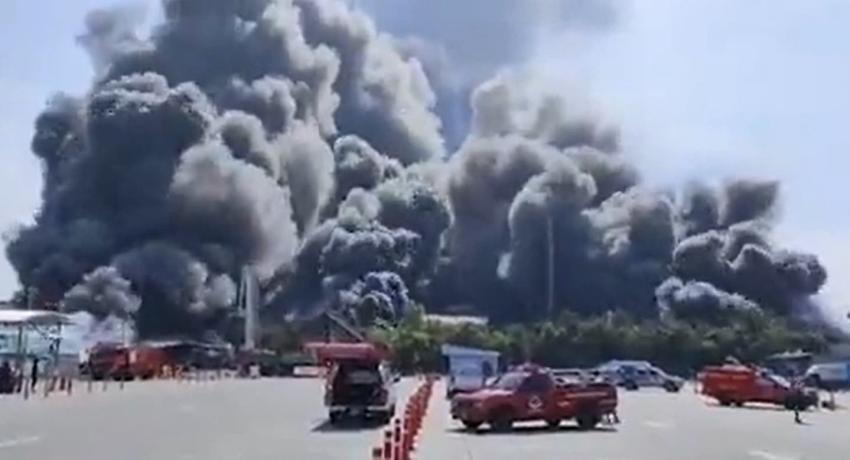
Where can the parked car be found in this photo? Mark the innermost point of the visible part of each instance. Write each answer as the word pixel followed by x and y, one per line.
pixel 530 393
pixel 573 375
pixel 829 376
pixel 633 375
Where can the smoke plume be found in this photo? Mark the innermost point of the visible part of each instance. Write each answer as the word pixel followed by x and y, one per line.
pixel 360 171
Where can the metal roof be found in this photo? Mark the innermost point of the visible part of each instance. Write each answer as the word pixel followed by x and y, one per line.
pixel 32 318
pixel 455 350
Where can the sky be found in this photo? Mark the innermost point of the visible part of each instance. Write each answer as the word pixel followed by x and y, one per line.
pixel 702 89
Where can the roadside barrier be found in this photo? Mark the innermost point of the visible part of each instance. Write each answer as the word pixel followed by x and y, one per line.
pixel 399 441
pixel 58 383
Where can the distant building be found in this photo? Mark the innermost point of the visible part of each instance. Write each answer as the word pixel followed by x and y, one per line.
pixel 457 320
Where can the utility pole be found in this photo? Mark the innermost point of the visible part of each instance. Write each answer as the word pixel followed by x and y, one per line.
pixel 31 293
pixel 249 294
pixel 550 266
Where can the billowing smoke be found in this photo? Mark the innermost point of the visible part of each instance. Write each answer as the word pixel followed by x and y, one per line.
pixel 103 293
pixel 360 171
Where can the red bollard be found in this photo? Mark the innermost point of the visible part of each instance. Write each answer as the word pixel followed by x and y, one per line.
pixel 407 439
pixel 397 451
pixel 388 445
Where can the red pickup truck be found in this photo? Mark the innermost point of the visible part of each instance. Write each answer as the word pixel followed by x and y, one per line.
pixel 530 394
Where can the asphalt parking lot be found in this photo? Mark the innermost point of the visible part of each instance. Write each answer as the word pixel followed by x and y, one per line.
pixel 284 419
pixel 655 426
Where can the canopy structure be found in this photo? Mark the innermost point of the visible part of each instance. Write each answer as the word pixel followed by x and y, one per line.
pixel 23 318
pixel 48 324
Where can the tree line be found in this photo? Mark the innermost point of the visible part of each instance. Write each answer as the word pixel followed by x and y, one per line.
pixel 571 340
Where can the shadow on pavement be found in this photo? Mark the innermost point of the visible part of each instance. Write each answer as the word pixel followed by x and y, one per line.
pixel 526 430
pixel 347 425
pixel 759 407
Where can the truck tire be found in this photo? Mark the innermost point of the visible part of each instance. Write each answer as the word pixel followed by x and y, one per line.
pixel 790 404
pixel 553 424
pixel 671 387
pixel 587 421
pixel 630 385
pixel 471 425
pixel 502 421
pixel 725 402
pixel 385 417
pixel 335 418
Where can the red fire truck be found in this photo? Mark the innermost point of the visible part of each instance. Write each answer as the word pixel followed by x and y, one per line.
pixel 734 384
pixel 358 380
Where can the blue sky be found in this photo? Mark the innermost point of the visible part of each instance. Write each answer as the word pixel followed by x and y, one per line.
pixel 702 89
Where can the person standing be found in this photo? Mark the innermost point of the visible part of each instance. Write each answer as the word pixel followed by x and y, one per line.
pixel 798 396
pixel 6 379
pixel 34 372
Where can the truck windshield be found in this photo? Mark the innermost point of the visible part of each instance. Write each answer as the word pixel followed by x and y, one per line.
pixel 509 381
pixel 781 381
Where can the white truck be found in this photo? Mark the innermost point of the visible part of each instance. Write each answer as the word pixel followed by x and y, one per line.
pixel 830 376
pixel 469 369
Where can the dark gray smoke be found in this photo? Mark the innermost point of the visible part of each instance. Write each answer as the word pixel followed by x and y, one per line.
pixel 462 43
pixel 296 138
pixel 377 296
pixel 103 293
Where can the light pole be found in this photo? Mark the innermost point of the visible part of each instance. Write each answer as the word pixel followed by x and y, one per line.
pixel 550 266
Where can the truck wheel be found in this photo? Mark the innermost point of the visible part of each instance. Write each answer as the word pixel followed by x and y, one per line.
pixel 471 425
pixel 335 417
pixel 385 418
pixel 503 421
pixel 630 385
pixel 587 421
pixel 672 387
pixel 724 402
pixel 553 423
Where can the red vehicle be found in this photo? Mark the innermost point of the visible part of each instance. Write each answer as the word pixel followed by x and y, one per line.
pixel 126 363
pixel 359 382
pixel 738 385
pixel 530 393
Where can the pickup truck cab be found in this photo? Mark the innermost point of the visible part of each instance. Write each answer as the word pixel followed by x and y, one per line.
pixel 738 385
pixel 530 393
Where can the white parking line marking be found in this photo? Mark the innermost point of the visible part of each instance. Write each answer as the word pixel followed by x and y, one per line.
pixel 19 442
pixel 768 455
pixel 658 425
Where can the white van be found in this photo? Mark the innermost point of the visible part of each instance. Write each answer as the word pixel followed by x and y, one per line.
pixel 835 375
pixel 469 368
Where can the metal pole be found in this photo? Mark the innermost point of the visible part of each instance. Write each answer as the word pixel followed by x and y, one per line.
pixel 550 268
pixel 20 353
pixel 126 352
